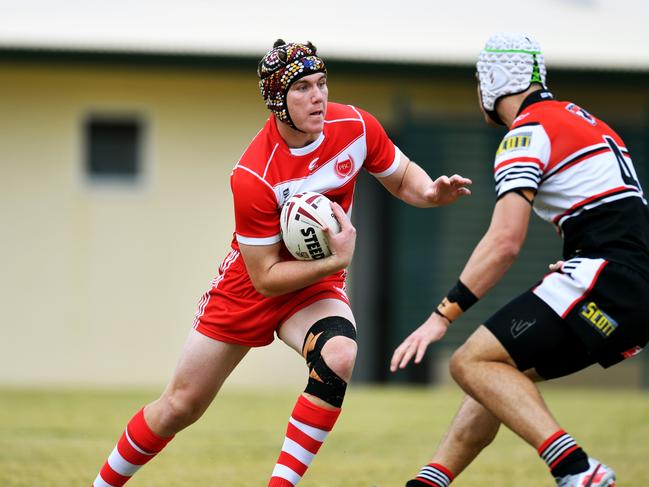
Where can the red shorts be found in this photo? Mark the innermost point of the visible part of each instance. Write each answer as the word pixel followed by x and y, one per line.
pixel 232 311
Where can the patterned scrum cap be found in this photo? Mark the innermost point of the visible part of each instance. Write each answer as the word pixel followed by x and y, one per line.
pixel 282 66
pixel 508 64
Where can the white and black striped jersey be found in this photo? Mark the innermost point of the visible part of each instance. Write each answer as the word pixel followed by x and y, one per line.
pixel 582 173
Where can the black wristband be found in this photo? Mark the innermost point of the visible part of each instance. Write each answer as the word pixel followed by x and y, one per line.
pixel 462 295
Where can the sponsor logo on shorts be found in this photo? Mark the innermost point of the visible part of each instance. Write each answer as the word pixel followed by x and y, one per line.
pixel 515 142
pixel 595 317
pixel 520 326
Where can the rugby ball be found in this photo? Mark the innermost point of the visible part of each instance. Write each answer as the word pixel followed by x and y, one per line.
pixel 302 218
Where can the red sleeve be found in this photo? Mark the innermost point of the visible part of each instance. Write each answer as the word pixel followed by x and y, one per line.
pixel 382 155
pixel 256 214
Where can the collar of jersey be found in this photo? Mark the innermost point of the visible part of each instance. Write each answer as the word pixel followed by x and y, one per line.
pixel 299 151
pixel 535 97
pixel 307 149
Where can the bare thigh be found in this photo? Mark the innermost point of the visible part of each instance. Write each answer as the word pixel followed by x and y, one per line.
pixel 483 345
pixel 203 367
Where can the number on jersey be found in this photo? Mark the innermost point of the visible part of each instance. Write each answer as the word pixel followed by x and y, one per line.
pixel 626 169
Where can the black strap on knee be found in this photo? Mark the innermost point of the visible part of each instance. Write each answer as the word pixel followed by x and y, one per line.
pixel 324 383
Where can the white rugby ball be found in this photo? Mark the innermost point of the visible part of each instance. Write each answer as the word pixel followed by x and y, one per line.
pixel 302 219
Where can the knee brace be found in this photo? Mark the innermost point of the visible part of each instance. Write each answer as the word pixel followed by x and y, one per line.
pixel 324 383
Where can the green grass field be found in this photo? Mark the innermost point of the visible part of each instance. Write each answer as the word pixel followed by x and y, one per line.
pixel 61 438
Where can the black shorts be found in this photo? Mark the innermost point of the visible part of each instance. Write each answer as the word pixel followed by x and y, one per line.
pixel 594 311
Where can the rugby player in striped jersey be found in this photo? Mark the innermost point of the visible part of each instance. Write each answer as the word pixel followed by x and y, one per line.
pixel 575 172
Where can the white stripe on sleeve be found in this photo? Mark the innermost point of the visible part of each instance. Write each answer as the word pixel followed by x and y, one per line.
pixel 393 167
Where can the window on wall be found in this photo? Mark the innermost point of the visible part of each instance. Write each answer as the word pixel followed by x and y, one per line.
pixel 113 149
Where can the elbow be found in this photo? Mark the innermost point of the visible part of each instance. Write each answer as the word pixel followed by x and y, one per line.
pixel 263 288
pixel 508 248
pixel 413 199
pixel 265 291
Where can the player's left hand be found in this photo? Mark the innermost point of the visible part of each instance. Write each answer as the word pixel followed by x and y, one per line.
pixel 433 329
pixel 445 190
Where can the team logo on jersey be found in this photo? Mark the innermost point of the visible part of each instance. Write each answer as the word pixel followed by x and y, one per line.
pixel 344 166
pixel 595 317
pixel 515 142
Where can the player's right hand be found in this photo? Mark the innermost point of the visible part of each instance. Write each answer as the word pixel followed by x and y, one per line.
pixel 433 329
pixel 445 190
pixel 343 243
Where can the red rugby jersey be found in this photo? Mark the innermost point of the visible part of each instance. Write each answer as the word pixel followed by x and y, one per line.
pixel 270 172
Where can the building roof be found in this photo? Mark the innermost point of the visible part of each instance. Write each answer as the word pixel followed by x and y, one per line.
pixel 599 34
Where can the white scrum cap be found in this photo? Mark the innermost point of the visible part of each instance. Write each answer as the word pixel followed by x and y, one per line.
pixel 508 64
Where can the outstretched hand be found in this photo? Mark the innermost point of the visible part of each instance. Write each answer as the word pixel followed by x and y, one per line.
pixel 433 329
pixel 445 190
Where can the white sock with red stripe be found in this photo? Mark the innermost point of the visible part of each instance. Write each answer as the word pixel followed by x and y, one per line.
pixel 432 475
pixel 307 429
pixel 563 455
pixel 137 445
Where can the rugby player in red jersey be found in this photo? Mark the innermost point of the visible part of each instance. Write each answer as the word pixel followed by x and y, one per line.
pixel 307 144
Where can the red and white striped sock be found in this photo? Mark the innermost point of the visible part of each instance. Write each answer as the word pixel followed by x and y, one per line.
pixel 307 429
pixel 137 445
